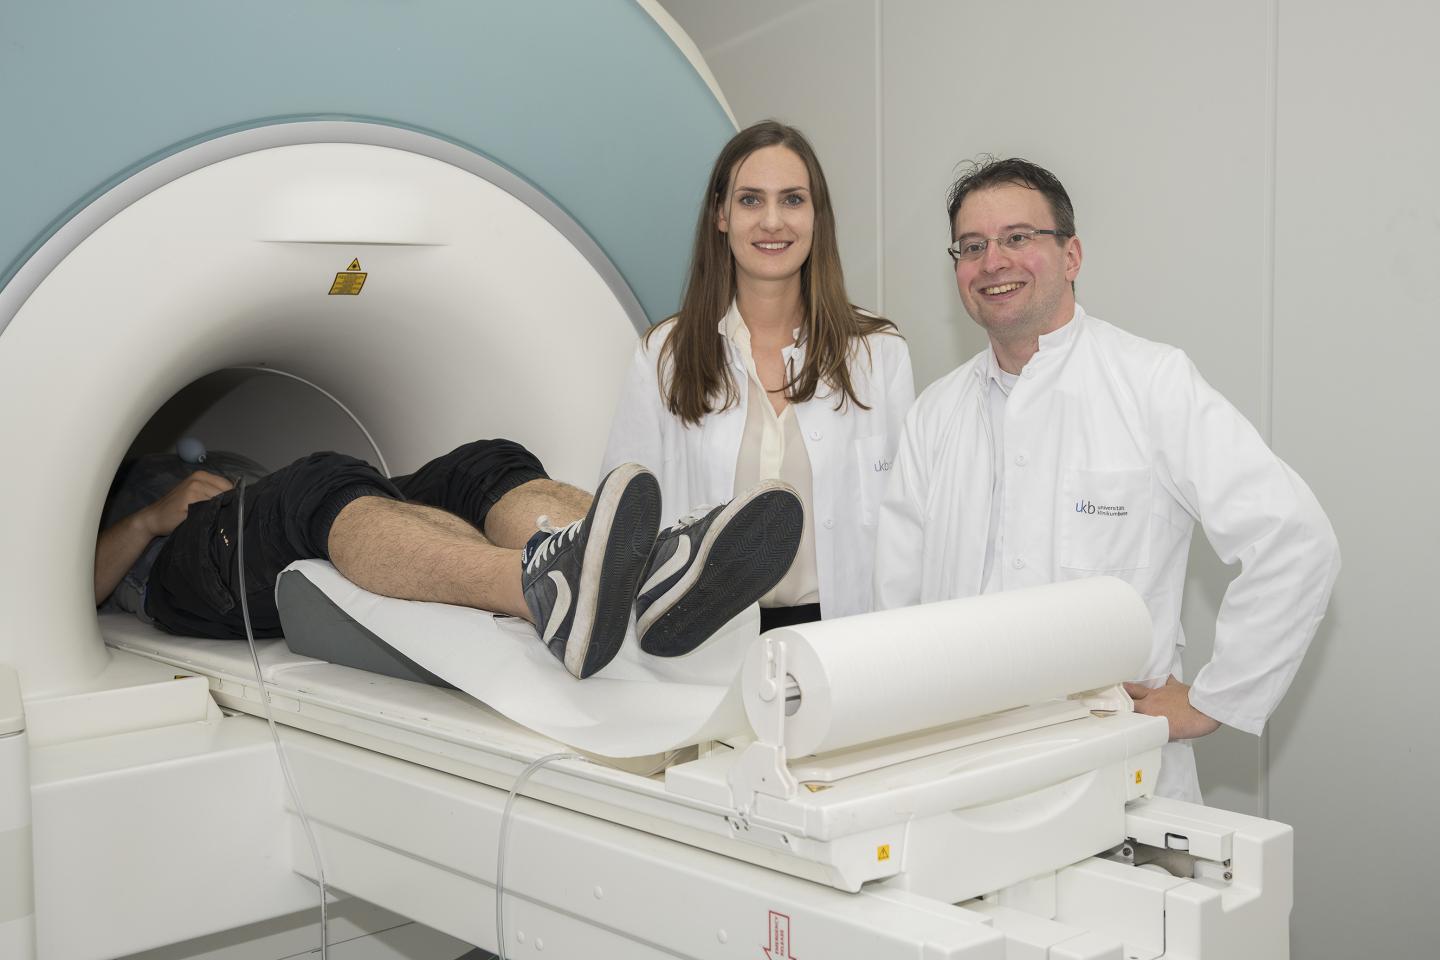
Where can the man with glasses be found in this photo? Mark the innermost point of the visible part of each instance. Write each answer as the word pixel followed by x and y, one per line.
pixel 1069 448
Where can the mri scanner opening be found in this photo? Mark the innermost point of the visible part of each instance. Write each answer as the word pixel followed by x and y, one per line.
pixel 271 416
pixel 204 305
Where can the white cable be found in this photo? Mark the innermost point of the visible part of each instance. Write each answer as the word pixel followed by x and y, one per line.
pixel 379 457
pixel 274 730
pixel 504 836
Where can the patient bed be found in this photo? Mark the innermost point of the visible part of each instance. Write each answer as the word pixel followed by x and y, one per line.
pixel 1005 815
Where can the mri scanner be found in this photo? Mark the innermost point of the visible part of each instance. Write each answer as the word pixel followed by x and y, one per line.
pixel 388 229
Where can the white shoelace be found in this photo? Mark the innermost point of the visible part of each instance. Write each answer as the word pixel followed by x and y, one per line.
pixel 695 514
pixel 556 539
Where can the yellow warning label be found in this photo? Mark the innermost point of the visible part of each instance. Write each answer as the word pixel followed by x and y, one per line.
pixel 1138 775
pixel 882 852
pixel 354 264
pixel 348 284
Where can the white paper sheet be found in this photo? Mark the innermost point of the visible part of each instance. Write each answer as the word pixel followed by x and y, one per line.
pixel 638 705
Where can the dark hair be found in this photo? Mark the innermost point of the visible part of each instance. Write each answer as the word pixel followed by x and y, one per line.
pixel 694 377
pixel 986 171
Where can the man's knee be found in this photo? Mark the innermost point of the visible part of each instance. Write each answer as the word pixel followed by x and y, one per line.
pixel 312 492
pixel 470 479
pixel 496 454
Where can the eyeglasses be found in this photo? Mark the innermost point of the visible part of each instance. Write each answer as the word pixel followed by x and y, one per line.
pixel 973 248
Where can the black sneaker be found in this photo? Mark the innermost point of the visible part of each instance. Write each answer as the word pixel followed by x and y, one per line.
pixel 579 580
pixel 710 566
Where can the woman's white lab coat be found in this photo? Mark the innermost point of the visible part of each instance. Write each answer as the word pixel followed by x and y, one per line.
pixel 851 451
pixel 1114 447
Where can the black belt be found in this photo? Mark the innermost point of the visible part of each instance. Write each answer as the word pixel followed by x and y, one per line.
pixel 772 617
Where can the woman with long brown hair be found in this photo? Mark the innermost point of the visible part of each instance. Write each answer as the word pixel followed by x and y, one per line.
pixel 769 373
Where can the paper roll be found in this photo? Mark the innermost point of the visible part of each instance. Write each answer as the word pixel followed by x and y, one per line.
pixel 879 675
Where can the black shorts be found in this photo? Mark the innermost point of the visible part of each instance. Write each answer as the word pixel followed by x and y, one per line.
pixel 193 588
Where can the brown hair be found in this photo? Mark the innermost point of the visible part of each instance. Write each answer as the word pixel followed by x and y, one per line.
pixel 694 354
pixel 986 172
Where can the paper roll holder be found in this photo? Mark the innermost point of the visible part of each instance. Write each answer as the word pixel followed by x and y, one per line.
pixel 762 767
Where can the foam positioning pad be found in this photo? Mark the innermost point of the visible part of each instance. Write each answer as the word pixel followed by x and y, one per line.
pixel 315 626
pixel 638 705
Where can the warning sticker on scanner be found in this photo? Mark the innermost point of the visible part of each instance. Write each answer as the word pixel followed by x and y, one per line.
pixel 349 281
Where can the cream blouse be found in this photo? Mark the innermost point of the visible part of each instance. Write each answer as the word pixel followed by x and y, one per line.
pixel 772 447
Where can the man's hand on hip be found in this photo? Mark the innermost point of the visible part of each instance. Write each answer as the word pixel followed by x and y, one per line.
pixel 1172 701
pixel 162 517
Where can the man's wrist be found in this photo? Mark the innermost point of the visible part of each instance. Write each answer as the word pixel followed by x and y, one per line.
pixel 142 523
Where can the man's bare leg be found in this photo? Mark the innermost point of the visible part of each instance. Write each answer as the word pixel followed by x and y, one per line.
pixel 513 519
pixel 414 552
pixel 577 588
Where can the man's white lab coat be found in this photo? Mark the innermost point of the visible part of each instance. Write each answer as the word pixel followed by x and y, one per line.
pixel 850 450
pixel 1113 447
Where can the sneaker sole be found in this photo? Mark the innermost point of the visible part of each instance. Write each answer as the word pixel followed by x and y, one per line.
pixel 746 551
pixel 624 519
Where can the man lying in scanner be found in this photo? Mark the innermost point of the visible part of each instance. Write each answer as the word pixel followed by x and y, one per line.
pixel 482 526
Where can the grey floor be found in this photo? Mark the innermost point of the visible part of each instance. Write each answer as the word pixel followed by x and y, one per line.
pixel 357 931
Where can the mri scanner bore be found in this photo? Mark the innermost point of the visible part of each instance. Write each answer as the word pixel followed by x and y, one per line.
pixel 483 526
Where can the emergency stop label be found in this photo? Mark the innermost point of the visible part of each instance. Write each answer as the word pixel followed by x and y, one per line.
pixel 350 281
pixel 779 946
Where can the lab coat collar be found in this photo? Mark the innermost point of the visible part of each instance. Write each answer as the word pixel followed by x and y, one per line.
pixel 1057 342
pixel 1052 346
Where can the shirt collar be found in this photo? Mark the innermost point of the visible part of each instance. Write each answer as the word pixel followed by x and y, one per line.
pixel 994 374
pixel 732 327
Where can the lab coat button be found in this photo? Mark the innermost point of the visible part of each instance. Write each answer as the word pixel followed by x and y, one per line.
pixel 1020 460
pixel 814 434
pixel 1019 564
pixel 829 523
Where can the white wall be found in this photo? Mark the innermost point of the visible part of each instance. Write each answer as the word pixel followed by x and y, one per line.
pixel 1256 183
pixel 1354 763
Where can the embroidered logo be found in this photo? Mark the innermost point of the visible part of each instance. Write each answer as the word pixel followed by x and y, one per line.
pixel 1093 509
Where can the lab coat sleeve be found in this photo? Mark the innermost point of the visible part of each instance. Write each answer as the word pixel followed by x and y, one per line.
pixel 1255 510
pixel 900 537
pixel 636 431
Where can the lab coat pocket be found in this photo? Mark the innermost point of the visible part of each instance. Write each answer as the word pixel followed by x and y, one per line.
pixel 1105 520
pixel 873 463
